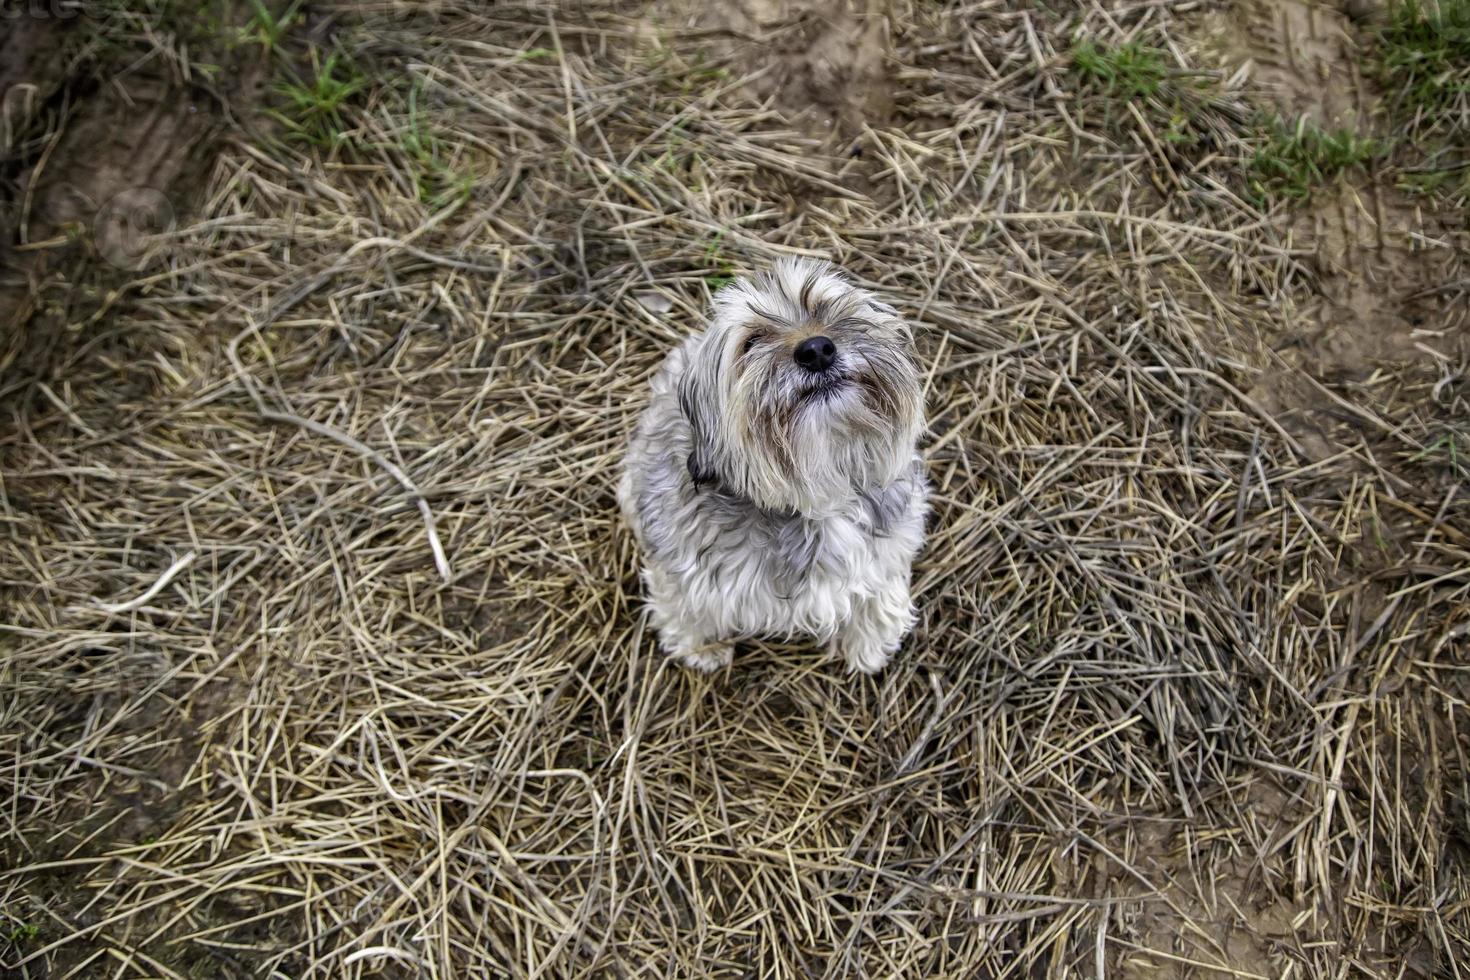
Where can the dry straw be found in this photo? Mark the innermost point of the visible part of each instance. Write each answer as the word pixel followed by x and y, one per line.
pixel 324 656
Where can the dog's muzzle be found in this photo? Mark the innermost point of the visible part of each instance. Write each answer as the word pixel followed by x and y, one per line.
pixel 816 354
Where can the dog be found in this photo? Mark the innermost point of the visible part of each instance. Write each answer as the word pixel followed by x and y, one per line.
pixel 773 483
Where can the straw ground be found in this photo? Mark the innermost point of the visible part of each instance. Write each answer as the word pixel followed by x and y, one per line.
pixel 323 653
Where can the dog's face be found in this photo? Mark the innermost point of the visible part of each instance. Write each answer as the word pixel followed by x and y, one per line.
pixel 802 391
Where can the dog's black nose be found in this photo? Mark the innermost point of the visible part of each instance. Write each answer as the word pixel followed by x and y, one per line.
pixel 816 354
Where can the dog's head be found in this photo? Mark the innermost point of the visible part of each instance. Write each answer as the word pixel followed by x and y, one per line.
pixel 802 391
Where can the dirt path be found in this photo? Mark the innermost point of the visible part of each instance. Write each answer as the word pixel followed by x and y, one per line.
pixel 1378 255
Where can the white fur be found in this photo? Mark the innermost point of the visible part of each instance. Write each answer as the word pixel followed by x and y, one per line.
pixel 768 500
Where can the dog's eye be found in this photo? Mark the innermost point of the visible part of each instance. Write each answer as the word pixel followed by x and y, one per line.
pixel 750 343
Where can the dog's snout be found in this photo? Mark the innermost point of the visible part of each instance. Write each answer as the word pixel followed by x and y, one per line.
pixel 816 353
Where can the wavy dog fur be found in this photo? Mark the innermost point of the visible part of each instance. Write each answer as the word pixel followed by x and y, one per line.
pixel 771 500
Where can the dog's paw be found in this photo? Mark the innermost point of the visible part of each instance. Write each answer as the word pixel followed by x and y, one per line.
pixel 861 657
pixel 708 658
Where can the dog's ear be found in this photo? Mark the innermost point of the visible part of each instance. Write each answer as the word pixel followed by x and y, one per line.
pixel 701 459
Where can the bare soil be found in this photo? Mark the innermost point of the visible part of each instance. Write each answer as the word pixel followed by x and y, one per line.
pixel 1378 255
pixel 105 141
pixel 829 75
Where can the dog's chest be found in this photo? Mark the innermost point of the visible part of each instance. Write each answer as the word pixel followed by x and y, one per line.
pixel 850 553
pixel 807 553
pixel 809 575
pixel 748 571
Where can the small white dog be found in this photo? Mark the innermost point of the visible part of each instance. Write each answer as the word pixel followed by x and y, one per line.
pixel 773 482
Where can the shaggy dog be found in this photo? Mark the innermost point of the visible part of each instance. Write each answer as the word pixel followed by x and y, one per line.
pixel 773 483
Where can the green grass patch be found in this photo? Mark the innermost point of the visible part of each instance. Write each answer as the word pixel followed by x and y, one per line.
pixel 1444 184
pixel 314 106
pixel 1294 160
pixel 438 182
pixel 1424 53
pixel 1129 71
pixel 22 933
pixel 268 28
pixel 1134 85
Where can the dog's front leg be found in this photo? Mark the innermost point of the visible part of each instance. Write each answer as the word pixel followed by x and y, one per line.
pixel 683 635
pixel 876 628
pixel 694 649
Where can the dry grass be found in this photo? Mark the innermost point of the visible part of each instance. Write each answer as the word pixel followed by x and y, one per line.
pixel 1185 699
